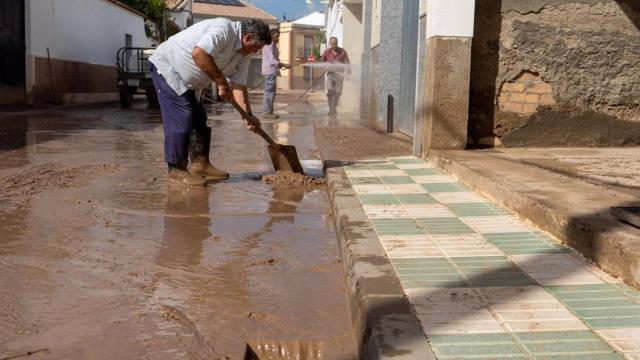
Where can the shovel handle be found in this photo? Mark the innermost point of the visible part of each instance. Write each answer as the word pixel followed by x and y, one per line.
pixel 245 115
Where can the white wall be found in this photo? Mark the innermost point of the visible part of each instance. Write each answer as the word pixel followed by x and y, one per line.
pixel 89 31
pixel 376 21
pixel 334 21
pixel 450 18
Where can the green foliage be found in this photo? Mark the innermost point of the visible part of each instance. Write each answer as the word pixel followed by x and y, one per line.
pixel 153 9
pixel 321 38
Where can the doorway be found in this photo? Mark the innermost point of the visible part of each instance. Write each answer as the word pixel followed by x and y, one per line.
pixel 12 48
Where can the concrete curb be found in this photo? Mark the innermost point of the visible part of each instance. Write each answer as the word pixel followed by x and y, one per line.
pixel 613 248
pixel 385 326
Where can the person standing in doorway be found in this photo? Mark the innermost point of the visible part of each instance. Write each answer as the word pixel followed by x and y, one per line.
pixel 271 66
pixel 338 65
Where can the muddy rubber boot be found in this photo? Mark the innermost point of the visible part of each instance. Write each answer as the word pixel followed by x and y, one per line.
pixel 199 155
pixel 179 175
pixel 270 116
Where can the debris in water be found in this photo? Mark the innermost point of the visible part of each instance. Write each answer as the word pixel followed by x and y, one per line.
pixel 264 262
pixel 291 179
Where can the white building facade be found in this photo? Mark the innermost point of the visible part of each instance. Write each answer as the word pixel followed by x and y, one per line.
pixel 70 48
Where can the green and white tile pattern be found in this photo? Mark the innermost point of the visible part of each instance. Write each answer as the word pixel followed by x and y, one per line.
pixel 483 284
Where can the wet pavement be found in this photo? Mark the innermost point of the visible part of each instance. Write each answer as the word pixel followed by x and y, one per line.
pixel 99 259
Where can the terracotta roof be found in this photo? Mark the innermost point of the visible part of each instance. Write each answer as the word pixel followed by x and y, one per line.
pixel 247 11
pixel 172 4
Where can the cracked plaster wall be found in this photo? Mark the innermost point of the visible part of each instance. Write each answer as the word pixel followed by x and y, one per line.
pixel 587 50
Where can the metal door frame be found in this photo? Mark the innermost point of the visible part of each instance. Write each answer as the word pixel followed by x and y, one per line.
pixel 406 106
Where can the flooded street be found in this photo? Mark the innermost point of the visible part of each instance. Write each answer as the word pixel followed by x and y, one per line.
pixel 100 259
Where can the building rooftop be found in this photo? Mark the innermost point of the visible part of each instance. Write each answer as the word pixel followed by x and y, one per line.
pixel 313 19
pixel 231 9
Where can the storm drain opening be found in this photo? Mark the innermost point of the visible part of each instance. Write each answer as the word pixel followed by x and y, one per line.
pixel 284 350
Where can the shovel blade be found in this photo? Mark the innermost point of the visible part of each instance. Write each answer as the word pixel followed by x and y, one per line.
pixel 285 157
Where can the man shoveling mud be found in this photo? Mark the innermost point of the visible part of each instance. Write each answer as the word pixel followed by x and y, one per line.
pixel 183 66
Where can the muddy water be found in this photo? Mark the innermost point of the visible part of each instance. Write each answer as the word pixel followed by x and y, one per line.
pixel 99 259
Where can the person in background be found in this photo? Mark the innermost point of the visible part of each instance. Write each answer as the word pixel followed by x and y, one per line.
pixel 183 66
pixel 271 66
pixel 338 61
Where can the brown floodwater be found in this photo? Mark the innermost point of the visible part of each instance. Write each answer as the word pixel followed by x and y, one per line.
pixel 100 259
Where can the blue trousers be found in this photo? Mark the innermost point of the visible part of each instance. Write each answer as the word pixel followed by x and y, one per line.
pixel 180 114
pixel 269 93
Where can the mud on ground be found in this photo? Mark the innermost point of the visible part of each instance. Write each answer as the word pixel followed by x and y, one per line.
pixel 99 259
pixel 34 179
pixel 284 178
pixel 358 143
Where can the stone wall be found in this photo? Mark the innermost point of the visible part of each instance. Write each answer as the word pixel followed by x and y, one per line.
pixel 561 64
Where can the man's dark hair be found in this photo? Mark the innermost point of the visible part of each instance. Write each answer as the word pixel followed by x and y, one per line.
pixel 258 30
pixel 275 32
pixel 333 37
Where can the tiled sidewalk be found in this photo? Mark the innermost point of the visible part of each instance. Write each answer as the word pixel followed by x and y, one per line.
pixel 483 284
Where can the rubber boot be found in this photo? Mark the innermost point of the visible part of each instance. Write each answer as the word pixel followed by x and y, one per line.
pixel 178 174
pixel 199 147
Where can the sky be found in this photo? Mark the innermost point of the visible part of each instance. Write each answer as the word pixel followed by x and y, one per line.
pixel 294 9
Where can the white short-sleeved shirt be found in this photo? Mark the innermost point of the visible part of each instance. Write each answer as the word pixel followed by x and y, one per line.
pixel 222 38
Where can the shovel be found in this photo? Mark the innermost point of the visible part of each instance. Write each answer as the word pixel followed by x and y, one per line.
pixel 283 157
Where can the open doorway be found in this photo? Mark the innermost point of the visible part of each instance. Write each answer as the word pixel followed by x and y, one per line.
pixel 12 48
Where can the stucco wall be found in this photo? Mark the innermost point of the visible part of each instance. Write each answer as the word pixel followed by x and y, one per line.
pixel 560 65
pixel 352 21
pixel 88 31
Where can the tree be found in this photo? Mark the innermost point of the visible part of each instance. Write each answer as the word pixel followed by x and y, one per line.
pixel 154 10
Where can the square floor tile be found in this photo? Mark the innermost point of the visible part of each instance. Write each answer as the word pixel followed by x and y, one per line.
pixel 444 226
pixel 530 308
pixel 396 227
pixel 457 197
pixel 600 306
pixel 406 161
pixel 415 199
pixel 496 271
pixel 417 246
pixel 421 172
pixel 443 187
pixel 391 173
pixel 379 199
pixel 360 173
pixel 384 167
pixel 522 243
pixel 427 273
pixel 493 224
pixel 385 211
pixel 465 245
pixel 365 180
pixel 371 189
pixel 434 210
pixel 474 209
pixel 557 269
pixel 566 345
pixel 397 180
pixel 626 340
pixel 433 179
pixel 476 346
pixel 415 166
pixel 406 189
pixel 453 311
